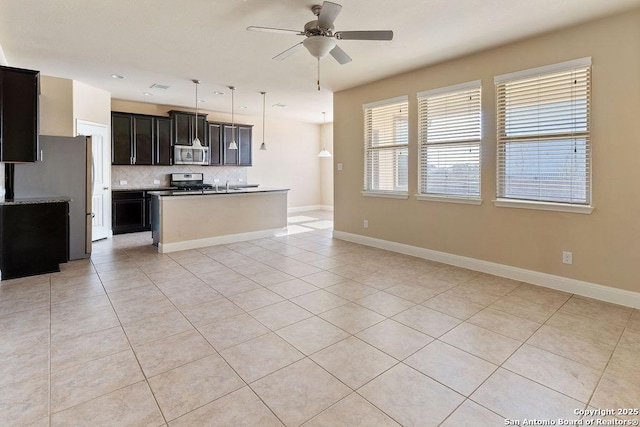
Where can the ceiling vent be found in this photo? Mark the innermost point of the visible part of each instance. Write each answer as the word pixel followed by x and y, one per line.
pixel 159 86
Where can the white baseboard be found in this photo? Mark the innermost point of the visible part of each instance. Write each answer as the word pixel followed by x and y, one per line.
pixel 310 208
pixel 587 289
pixel 219 240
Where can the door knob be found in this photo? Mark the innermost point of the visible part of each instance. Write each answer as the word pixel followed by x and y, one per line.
pixel 105 188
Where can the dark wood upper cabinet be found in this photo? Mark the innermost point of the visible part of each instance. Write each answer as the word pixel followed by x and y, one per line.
pixel 184 127
pixel 143 140
pixel 242 134
pixel 163 145
pixel 121 138
pixel 230 157
pixel 138 139
pixel 244 145
pixel 19 90
pixel 214 141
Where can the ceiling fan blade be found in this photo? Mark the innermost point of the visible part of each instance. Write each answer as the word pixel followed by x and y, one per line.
pixel 340 55
pixel 287 53
pixel 365 35
pixel 275 30
pixel 328 14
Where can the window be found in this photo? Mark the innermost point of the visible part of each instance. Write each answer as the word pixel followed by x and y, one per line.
pixel 449 133
pixel 386 138
pixel 543 135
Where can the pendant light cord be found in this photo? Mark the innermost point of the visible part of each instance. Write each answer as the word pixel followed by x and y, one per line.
pixel 196 82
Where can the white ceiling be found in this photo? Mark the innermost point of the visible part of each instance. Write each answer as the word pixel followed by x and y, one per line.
pixel 171 42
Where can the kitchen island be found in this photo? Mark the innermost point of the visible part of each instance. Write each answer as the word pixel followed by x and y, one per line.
pixel 183 220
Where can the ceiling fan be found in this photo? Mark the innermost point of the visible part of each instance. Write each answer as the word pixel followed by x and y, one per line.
pixel 320 39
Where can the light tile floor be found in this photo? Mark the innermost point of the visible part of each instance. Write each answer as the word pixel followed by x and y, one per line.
pixel 302 329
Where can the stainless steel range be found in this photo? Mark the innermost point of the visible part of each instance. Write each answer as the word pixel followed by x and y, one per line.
pixel 188 181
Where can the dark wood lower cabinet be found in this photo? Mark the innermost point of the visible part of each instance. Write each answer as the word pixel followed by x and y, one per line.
pixel 130 211
pixel 34 238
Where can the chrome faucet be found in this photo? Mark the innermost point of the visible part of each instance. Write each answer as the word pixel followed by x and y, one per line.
pixel 227 186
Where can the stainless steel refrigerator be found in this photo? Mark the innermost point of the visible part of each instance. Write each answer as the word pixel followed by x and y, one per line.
pixel 65 169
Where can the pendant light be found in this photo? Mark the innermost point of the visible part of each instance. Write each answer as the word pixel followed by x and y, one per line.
pixel 232 145
pixel 324 152
pixel 263 146
pixel 196 141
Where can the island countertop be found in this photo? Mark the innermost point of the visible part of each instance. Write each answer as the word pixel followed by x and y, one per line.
pixel 213 192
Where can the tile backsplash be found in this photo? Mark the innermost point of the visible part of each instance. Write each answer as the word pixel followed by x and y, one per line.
pixel 144 176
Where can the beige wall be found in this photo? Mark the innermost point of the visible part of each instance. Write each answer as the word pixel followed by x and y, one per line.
pixel 605 244
pixel 290 160
pixel 91 104
pixel 56 106
pixel 63 101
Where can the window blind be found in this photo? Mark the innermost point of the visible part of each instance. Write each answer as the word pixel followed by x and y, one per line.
pixel 543 139
pixel 449 134
pixel 386 138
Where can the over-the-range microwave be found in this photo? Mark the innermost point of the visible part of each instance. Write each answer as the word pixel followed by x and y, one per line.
pixel 188 155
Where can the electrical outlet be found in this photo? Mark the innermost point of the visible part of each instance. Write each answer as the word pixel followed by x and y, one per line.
pixel 366 223
pixel 156 181
pixel 567 257
pixel 339 166
pixel 123 182
pixel 216 180
pixel 239 179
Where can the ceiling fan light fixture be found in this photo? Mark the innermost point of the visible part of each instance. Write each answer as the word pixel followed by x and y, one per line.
pixel 319 46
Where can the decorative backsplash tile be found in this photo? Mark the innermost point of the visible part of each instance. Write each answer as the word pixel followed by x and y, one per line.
pixel 144 176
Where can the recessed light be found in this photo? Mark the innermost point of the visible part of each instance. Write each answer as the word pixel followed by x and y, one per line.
pixel 217 92
pixel 148 94
pixel 201 100
pixel 243 107
pixel 279 105
pixel 117 76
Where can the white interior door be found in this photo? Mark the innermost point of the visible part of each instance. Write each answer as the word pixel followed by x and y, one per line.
pixel 101 203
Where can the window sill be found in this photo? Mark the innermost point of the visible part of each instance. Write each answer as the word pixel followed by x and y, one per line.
pixel 543 206
pixel 386 194
pixel 461 200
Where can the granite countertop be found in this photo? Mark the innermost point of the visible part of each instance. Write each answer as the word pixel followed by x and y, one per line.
pixel 34 201
pixel 221 191
pixel 147 188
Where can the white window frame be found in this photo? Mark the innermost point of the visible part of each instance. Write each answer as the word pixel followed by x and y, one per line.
pixel 473 137
pixel 503 139
pixel 370 147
